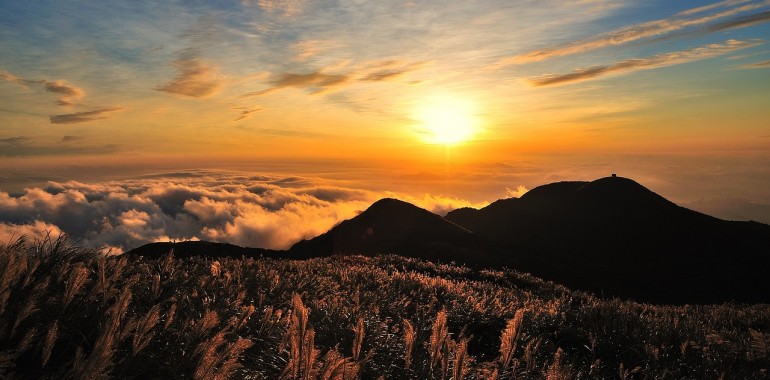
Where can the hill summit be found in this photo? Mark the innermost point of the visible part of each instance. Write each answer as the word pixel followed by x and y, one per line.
pixel 394 226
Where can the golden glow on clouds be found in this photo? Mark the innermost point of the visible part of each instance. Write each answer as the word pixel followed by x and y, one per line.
pixel 446 121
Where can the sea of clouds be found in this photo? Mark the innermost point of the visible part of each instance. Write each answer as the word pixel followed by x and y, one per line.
pixel 268 211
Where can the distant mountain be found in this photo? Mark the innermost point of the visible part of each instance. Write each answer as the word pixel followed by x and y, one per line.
pixel 202 248
pixel 616 237
pixel 394 226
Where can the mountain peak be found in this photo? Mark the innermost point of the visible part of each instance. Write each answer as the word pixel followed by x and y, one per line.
pixel 619 190
pixel 392 204
pixel 390 226
pixel 553 191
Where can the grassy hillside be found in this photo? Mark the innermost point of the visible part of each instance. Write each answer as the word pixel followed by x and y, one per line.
pixel 66 312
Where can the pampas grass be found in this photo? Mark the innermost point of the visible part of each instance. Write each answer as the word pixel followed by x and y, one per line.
pixel 71 312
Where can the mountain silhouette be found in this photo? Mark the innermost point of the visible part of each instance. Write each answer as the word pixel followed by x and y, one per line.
pixel 185 249
pixel 394 226
pixel 616 237
pixel 611 236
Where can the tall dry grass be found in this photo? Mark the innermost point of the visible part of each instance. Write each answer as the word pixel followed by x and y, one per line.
pixel 69 312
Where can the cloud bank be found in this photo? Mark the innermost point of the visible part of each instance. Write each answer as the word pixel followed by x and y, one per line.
pixel 257 211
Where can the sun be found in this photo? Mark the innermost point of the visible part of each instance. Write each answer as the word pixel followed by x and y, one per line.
pixel 446 121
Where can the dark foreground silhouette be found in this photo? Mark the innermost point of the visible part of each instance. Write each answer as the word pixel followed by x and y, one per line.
pixel 611 236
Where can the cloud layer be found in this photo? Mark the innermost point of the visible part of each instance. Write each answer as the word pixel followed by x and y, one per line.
pixel 258 211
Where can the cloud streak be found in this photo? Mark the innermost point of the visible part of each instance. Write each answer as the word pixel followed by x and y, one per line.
pixel 19 140
pixel 389 69
pixel 68 93
pixel 83 117
pixel 646 63
pixel 316 81
pixel 8 77
pixel 246 113
pixel 740 22
pixel 705 8
pixel 656 28
pixel 195 78
pixel 320 81
pixel 285 7
pixel 756 65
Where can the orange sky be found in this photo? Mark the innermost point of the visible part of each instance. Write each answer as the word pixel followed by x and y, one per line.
pixel 456 99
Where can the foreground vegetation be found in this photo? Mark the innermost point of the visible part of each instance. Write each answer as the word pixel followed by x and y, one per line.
pixel 68 312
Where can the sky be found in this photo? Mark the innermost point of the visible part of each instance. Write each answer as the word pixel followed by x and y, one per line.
pixel 259 109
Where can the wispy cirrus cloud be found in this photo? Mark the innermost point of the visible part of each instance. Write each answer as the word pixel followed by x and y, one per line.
pixel 656 28
pixel 326 80
pixel 705 8
pixel 739 22
pixel 68 93
pixel 82 117
pixel 23 146
pixel 18 140
pixel 285 7
pixel 195 78
pixel 310 48
pixel 388 69
pixel 646 63
pixel 316 81
pixel 8 77
pixel 245 113
pixel 756 65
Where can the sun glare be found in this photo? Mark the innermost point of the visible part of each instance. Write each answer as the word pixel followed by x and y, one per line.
pixel 446 122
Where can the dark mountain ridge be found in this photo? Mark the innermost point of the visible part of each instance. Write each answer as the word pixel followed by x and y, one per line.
pixel 615 236
pixel 611 236
pixel 197 248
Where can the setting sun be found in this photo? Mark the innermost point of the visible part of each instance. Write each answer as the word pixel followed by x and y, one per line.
pixel 446 122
